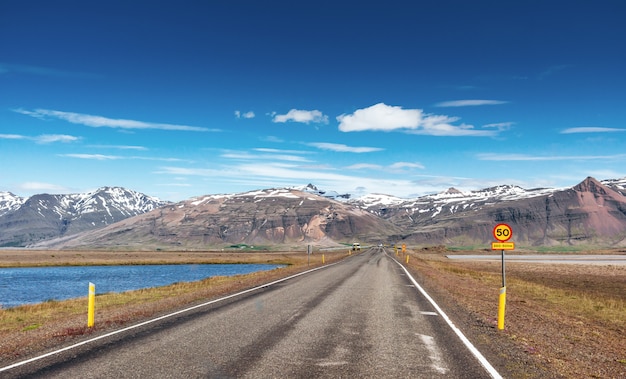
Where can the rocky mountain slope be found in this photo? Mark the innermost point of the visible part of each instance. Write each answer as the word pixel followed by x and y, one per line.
pixel 24 221
pixel 264 217
pixel 592 212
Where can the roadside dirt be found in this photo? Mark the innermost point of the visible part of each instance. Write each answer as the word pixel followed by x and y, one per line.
pixel 544 337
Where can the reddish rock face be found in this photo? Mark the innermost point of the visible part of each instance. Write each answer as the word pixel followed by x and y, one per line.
pixel 589 213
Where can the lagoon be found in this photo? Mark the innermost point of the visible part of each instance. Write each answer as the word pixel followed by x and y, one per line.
pixel 31 285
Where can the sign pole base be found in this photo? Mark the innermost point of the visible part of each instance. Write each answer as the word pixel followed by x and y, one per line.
pixel 501 308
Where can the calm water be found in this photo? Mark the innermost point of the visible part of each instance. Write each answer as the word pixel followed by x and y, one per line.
pixel 38 284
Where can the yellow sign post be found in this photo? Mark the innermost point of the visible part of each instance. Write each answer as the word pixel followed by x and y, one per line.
pixel 91 306
pixel 502 233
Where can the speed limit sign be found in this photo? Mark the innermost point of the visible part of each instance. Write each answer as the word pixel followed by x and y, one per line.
pixel 502 232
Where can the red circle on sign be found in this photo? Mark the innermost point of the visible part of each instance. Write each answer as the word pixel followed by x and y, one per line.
pixel 502 232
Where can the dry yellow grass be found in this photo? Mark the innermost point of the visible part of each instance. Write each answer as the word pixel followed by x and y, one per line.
pixel 561 320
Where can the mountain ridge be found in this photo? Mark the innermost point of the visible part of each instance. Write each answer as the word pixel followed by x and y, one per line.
pixel 591 212
pixel 45 216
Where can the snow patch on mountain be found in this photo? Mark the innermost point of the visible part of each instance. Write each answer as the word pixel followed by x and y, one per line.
pixel 9 202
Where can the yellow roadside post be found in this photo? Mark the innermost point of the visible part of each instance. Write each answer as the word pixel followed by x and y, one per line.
pixel 407 259
pixel 501 307
pixel 323 260
pixel 91 312
pixel 502 232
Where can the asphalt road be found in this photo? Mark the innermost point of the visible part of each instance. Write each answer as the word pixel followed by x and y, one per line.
pixel 359 318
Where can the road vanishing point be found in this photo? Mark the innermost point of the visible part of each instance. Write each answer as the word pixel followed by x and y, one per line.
pixel 363 317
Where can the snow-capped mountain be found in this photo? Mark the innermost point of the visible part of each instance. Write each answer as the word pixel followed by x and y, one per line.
pixel 448 201
pixel 591 212
pixel 9 202
pixel 334 195
pixel 44 216
pixel 268 217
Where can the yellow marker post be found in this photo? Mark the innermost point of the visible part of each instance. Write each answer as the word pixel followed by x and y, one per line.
pixel 92 305
pixel 323 260
pixel 501 308
pixel 407 259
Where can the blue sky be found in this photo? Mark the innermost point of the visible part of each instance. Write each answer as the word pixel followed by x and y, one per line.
pixel 184 98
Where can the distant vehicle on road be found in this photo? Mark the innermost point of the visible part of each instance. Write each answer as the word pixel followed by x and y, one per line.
pixel 356 246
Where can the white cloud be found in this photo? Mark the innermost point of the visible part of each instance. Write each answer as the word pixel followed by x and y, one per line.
pixel 383 117
pixel 403 165
pixel 469 103
pixel 120 147
pixel 591 129
pixel 105 122
pixel 499 125
pixel 49 138
pixel 302 116
pixel 269 156
pixel 395 167
pixel 102 157
pixel 263 175
pixel 39 186
pixel 44 71
pixel 42 139
pixel 97 157
pixel 365 166
pixel 250 114
pixel 524 157
pixel 268 150
pixel 380 117
pixel 343 148
pixel 12 136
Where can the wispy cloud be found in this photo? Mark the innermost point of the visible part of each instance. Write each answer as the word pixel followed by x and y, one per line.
pixel 395 167
pixel 343 148
pixel 239 114
pixel 266 174
pixel 403 165
pixel 97 157
pixel 553 70
pixel 105 122
pixel 279 151
pixel 524 157
pixel 12 136
pixel 120 147
pixel 103 157
pixel 302 116
pixel 500 125
pixel 6 68
pixel 386 118
pixel 238 155
pixel 365 166
pixel 469 103
pixel 42 139
pixel 40 186
pixel 591 129
pixel 50 138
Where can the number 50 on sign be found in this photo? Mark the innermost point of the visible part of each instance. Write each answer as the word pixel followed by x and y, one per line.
pixel 502 232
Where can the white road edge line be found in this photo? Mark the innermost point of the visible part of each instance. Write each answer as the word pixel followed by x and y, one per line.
pixel 483 361
pixel 159 319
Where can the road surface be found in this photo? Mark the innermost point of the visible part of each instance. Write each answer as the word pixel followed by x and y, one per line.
pixel 359 318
